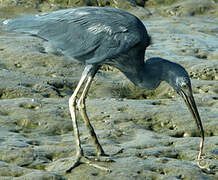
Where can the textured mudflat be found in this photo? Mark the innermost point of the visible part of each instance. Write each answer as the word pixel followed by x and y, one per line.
pixel 155 129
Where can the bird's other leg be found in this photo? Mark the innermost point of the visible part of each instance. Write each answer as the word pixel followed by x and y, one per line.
pixel 82 109
pixel 80 159
pixel 72 108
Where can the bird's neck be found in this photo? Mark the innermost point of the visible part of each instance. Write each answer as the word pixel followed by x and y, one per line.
pixel 147 76
pixel 157 70
pixel 151 76
pixel 153 71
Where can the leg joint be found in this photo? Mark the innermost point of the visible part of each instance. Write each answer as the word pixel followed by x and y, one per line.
pixel 72 101
pixel 81 104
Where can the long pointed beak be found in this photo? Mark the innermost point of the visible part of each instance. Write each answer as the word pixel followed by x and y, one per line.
pixel 190 102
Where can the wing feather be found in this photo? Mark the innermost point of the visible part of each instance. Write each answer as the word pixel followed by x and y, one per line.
pixel 87 34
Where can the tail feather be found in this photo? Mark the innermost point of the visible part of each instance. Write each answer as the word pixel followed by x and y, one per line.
pixel 30 24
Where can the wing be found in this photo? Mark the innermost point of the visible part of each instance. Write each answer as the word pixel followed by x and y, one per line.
pixel 88 34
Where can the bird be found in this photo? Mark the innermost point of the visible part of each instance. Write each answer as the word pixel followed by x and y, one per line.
pixel 97 36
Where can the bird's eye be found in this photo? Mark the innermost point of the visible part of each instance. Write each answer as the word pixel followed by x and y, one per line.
pixel 184 86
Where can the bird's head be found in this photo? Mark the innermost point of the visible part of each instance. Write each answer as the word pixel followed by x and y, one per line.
pixel 159 69
pixel 179 79
pixel 182 86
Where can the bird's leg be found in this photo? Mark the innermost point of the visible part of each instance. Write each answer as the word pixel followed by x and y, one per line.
pixel 82 109
pixel 72 107
pixel 80 159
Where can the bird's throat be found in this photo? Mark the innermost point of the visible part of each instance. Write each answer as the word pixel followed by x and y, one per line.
pixel 146 77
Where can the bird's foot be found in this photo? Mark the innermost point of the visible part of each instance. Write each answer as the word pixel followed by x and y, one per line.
pixel 110 155
pixel 102 157
pixel 84 160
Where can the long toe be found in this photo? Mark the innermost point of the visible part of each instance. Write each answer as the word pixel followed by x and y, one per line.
pixel 75 164
pixel 111 155
pixel 84 160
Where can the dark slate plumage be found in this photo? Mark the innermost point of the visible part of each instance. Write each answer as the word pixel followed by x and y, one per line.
pixel 85 33
pixel 97 36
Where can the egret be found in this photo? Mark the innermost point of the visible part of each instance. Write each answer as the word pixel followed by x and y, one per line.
pixel 97 36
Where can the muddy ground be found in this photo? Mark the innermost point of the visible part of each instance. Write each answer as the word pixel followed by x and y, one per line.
pixel 158 136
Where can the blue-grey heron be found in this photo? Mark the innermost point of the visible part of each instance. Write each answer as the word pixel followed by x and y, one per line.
pixel 97 36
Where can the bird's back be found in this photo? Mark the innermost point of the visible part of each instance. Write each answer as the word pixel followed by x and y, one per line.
pixel 89 34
